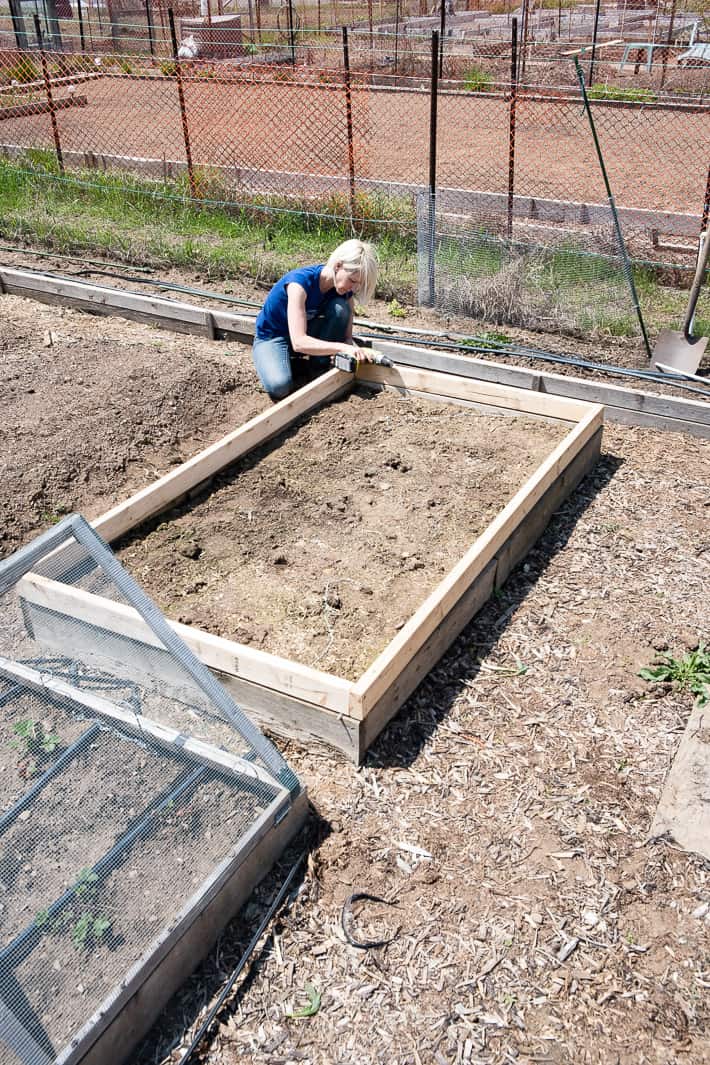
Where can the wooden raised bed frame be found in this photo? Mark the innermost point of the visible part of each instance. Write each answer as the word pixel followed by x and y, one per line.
pixel 291 699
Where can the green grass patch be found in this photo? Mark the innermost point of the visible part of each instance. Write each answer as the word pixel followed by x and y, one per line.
pixel 625 95
pixel 141 221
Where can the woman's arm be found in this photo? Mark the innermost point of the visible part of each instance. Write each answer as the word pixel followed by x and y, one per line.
pixel 308 345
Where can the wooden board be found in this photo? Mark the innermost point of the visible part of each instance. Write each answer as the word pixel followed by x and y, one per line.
pixel 289 698
pixel 628 406
pixel 683 811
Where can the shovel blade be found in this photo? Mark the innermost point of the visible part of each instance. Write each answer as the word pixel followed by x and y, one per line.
pixel 672 349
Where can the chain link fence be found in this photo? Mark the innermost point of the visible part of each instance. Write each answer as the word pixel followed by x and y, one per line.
pixel 360 125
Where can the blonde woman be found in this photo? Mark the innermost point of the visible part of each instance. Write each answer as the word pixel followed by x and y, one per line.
pixel 308 314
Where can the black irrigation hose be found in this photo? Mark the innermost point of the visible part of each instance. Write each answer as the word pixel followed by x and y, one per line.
pixel 202 1030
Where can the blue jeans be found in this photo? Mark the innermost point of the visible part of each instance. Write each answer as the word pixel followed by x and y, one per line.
pixel 277 363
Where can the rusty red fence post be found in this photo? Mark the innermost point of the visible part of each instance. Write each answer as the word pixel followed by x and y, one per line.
pixel 511 122
pixel 349 122
pixel 183 109
pixel 433 103
pixel 50 97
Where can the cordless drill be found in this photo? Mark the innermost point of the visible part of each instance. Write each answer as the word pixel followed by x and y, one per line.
pixel 349 362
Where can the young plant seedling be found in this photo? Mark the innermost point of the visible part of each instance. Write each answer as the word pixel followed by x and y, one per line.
pixel 689 673
pixel 89 930
pixel 37 745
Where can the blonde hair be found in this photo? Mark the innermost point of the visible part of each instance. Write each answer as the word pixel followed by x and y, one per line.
pixel 357 255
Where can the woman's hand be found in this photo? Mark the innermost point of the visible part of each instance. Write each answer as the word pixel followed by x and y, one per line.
pixel 359 354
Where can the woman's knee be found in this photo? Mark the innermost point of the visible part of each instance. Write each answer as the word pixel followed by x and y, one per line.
pixel 280 389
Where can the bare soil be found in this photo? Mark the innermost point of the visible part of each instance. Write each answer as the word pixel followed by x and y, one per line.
pixel 319 546
pixel 506 810
pixel 94 409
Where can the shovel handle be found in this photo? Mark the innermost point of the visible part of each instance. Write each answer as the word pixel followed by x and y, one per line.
pixel 703 253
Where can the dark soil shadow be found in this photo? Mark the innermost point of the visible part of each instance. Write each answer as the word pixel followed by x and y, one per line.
pixel 404 737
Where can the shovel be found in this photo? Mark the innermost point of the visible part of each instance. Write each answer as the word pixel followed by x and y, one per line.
pixel 680 351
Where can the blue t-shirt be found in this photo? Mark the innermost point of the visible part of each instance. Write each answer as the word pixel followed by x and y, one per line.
pixel 273 320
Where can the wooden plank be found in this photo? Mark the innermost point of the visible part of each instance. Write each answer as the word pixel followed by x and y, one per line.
pixel 615 397
pixel 160 495
pixel 482 408
pixel 377 679
pixel 283 715
pixel 468 604
pixel 117 1027
pixel 134 722
pixel 529 531
pixel 102 299
pixel 488 392
pixel 110 618
pixel 624 416
pixel 683 810
pixel 654 410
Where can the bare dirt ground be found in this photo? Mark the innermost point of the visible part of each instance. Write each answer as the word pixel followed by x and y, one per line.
pixel 344 525
pixel 505 810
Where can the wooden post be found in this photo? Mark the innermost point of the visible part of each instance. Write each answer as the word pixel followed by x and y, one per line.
pixel 666 51
pixel 183 109
pixel 434 95
pixel 50 98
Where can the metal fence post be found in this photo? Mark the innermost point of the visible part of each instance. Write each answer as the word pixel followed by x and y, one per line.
pixel 149 23
pixel 183 109
pixel 292 39
pixel 81 25
pixel 432 166
pixel 595 31
pixel 349 121
pixel 511 121
pixel 442 32
pixel 396 35
pixel 50 98
pixel 706 206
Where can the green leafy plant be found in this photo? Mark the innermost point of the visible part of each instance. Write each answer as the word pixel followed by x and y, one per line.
pixel 476 79
pixel 86 882
pixel 125 66
pixel 614 92
pixel 89 930
pixel 36 744
pixel 396 310
pixel 309 1010
pixel 168 68
pixel 689 673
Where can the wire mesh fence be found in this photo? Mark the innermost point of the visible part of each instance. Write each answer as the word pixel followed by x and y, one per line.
pixel 343 125
pixel 132 787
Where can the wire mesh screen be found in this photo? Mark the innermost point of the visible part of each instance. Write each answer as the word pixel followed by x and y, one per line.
pixel 556 278
pixel 131 786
